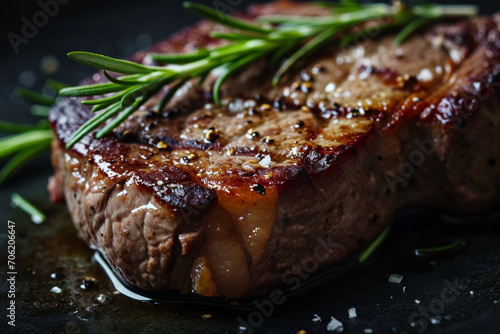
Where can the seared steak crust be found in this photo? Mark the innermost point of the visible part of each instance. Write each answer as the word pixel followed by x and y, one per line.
pixel 311 170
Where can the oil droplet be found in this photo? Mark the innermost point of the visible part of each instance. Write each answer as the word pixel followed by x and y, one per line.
pixel 49 64
pixel 88 283
pixel 27 78
pixel 104 299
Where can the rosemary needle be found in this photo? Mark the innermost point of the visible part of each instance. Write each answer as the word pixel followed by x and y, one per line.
pixel 368 252
pixel 35 97
pixel 35 214
pixel 55 85
pixel 15 127
pixel 21 158
pixel 22 147
pixel 12 144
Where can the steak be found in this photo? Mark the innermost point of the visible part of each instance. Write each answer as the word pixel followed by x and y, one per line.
pixel 281 182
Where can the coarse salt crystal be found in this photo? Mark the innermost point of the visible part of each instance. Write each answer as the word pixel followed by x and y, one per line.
pixel 330 87
pixel 56 289
pixel 395 278
pixel 266 161
pixel 334 325
pixel 425 75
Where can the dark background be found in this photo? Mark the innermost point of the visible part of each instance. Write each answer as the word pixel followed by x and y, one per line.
pixel 120 28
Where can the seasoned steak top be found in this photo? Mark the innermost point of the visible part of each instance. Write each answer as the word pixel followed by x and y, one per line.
pixel 318 115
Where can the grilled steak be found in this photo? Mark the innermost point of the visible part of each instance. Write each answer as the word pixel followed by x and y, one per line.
pixel 280 182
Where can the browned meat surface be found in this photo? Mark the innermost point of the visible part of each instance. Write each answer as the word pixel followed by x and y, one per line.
pixel 229 201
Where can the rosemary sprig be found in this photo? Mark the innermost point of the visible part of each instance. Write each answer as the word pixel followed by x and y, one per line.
pixel 27 141
pixel 287 38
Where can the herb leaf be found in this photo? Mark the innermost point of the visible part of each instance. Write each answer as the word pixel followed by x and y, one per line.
pixel 409 29
pixel 12 144
pixel 35 97
pixel 123 116
pixel 234 67
pixel 94 123
pixel 16 127
pixel 304 51
pixel 170 94
pixel 224 19
pixel 108 63
pixel 368 252
pixel 36 215
pixel 55 85
pixel 90 90
pixel 23 157
pixel 180 58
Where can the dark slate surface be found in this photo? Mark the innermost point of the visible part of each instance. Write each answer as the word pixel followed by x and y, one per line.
pixel 119 28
